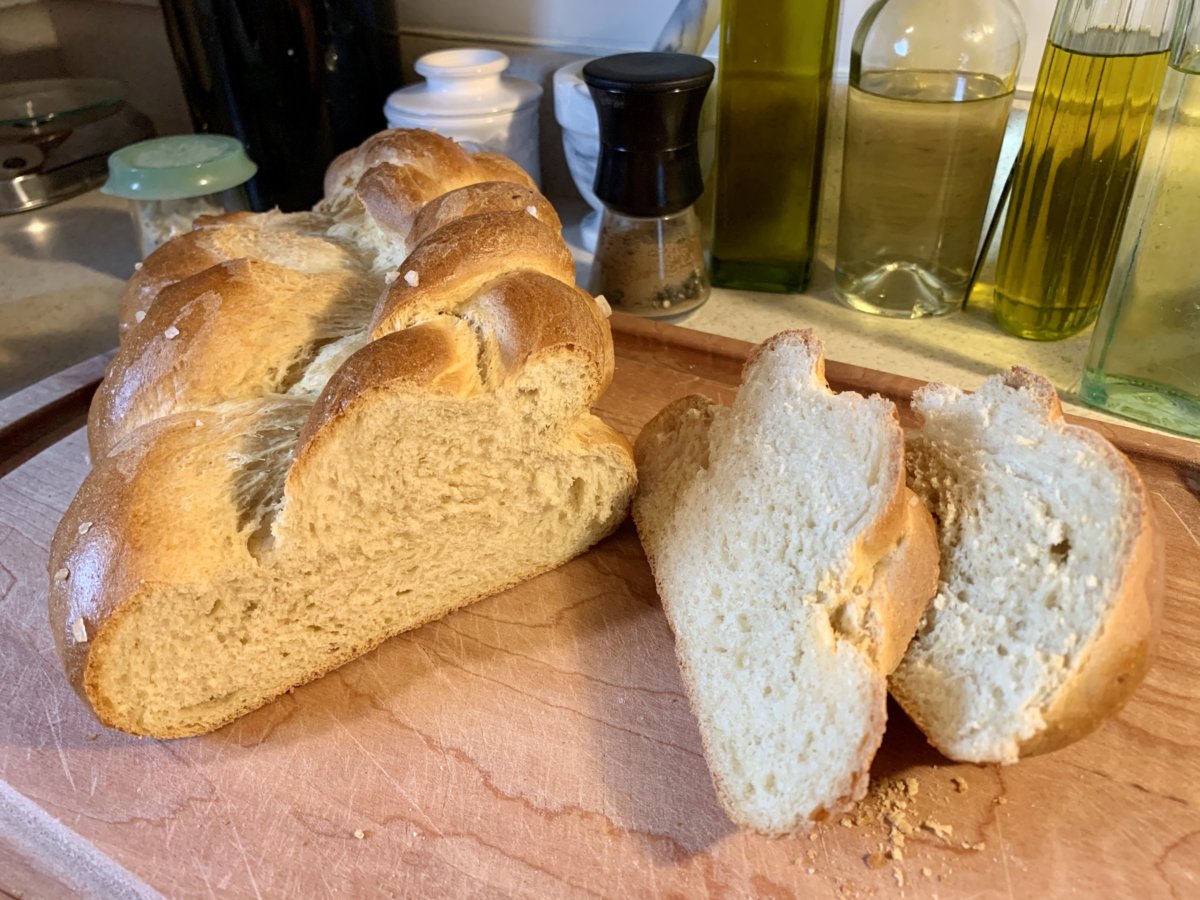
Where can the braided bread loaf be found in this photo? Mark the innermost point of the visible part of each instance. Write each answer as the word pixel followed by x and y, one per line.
pixel 301 450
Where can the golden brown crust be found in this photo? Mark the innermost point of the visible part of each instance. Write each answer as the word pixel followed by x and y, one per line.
pixel 438 356
pixel 232 332
pixel 452 264
pixel 125 531
pixel 904 581
pixel 476 199
pixel 191 253
pixel 414 148
pixel 494 167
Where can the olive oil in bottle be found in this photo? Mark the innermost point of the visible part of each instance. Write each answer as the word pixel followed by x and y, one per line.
pixel 775 66
pixel 1088 121
pixel 917 168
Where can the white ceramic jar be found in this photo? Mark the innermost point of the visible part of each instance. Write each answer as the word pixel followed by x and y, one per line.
pixel 466 96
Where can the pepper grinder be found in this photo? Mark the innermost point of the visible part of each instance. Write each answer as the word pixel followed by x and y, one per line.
pixel 649 253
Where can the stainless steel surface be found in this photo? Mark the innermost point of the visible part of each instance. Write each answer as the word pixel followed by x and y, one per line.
pixel 39 189
pixel 55 138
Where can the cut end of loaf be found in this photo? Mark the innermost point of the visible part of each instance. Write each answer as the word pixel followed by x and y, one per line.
pixel 761 523
pixel 276 493
pixel 1042 623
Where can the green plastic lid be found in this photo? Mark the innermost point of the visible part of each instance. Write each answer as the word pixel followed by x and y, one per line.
pixel 172 168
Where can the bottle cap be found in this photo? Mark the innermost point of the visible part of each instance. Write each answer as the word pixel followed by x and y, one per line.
pixel 649 110
pixel 172 168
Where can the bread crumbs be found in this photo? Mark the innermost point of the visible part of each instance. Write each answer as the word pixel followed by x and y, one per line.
pixel 960 784
pixel 942 831
pixel 875 860
pixel 359 833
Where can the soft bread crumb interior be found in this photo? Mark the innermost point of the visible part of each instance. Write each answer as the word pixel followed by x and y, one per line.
pixel 751 521
pixel 1035 529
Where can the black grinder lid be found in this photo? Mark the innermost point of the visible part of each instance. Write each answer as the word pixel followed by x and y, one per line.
pixel 649 108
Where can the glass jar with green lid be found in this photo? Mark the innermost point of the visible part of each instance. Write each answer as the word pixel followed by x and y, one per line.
pixel 173 180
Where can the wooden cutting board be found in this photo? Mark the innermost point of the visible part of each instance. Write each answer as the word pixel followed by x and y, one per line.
pixel 539 744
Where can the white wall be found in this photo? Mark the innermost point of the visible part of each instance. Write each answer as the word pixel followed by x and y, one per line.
pixel 587 26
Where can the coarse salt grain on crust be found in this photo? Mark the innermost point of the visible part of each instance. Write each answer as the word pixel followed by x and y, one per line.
pixel 79 631
pixel 171 333
pixel 411 278
pixel 139 315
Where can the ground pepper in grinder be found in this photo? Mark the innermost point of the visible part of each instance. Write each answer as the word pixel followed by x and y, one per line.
pixel 649 255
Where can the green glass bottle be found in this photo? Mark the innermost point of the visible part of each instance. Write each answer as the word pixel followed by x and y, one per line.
pixel 775 65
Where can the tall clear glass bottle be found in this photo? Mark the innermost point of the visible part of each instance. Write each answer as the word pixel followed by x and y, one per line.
pixel 1096 93
pixel 775 66
pixel 1144 359
pixel 931 84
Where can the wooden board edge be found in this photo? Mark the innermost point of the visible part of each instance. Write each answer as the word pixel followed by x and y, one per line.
pixel 646 333
pixel 46 412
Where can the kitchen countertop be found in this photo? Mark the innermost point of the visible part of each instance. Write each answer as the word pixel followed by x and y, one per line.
pixel 62 269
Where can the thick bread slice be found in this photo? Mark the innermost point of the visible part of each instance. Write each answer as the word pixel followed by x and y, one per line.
pixel 793 566
pixel 217 558
pixel 1051 581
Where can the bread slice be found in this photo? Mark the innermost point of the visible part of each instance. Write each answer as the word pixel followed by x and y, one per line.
pixel 793 565
pixel 1051 574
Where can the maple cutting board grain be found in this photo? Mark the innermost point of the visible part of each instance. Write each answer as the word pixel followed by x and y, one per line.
pixel 538 743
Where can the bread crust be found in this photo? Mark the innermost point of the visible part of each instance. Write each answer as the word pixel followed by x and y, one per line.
pixel 125 532
pixel 476 199
pixel 234 331
pixel 225 239
pixel 462 257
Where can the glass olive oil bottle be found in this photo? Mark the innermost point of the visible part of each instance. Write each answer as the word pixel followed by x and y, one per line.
pixel 1092 108
pixel 931 84
pixel 775 65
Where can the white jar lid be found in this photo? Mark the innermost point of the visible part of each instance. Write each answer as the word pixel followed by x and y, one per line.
pixel 465 82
